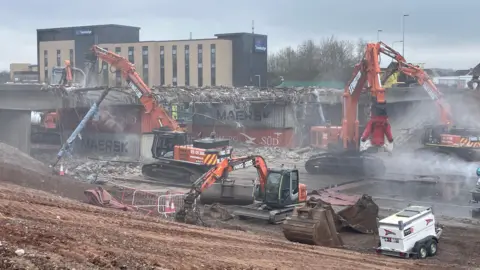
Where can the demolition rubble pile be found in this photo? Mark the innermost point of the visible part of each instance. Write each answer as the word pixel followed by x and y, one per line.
pixel 273 153
pixel 234 95
pixel 99 169
pixel 225 95
pixel 92 170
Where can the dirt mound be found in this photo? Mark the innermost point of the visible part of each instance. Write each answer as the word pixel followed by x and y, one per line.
pixel 12 156
pixel 63 232
pixel 23 170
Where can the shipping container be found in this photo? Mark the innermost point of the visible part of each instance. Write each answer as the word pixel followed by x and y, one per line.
pixel 255 115
pixel 114 119
pixel 106 144
pixel 146 146
pixel 252 136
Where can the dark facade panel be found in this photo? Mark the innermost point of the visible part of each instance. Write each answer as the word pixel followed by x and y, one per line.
pixel 249 58
pixel 86 36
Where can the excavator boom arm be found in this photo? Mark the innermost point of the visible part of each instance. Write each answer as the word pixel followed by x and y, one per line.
pixel 423 79
pixel 220 172
pixel 138 86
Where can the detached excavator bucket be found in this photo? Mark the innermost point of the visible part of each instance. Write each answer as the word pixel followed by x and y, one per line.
pixel 313 224
pixel 228 193
pixel 362 216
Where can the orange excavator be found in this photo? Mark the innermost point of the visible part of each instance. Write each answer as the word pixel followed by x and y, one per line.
pixel 177 159
pixel 275 196
pixel 444 137
pixel 67 76
pixel 353 156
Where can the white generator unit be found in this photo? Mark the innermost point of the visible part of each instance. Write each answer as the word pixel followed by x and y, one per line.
pixel 411 232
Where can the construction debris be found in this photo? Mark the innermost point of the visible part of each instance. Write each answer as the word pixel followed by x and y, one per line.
pixel 230 95
pixel 225 95
pixel 92 169
pixel 272 153
pixel 100 197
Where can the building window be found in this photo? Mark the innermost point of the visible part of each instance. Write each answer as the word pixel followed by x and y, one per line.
pixel 200 65
pixel 45 59
pixel 213 68
pixel 145 64
pixel 174 64
pixel 187 65
pixel 118 74
pixel 105 71
pixel 70 57
pixel 162 65
pixel 131 57
pixel 59 58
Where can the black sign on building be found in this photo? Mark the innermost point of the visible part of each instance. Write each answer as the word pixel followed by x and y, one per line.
pixel 249 58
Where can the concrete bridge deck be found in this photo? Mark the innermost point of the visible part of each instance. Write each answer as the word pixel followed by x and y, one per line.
pixel 33 97
pixel 18 100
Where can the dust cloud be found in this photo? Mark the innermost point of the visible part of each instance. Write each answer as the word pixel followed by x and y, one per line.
pixel 408 122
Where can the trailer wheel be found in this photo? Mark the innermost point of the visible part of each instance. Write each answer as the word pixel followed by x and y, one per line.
pixel 422 252
pixel 432 248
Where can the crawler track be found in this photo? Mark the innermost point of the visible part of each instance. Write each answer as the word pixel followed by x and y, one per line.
pixel 174 172
pixel 345 163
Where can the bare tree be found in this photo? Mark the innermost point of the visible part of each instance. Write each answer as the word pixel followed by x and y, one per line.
pixel 329 60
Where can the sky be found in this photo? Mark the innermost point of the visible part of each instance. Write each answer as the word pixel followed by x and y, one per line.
pixel 440 34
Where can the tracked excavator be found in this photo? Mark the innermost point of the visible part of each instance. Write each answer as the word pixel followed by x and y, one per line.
pixel 179 159
pixel 445 137
pixel 345 152
pixel 272 199
pixel 354 158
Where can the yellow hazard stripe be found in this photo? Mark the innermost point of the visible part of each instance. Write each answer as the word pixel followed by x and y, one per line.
pixel 465 142
pixel 210 159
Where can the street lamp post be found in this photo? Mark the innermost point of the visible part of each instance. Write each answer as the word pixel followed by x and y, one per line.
pixel 378 34
pixel 403 34
pixel 395 42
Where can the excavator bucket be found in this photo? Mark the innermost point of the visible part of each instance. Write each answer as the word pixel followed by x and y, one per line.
pixel 315 223
pixel 362 216
pixel 228 193
pixel 327 213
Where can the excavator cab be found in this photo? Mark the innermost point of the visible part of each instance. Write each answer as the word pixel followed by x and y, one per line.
pixel 281 188
pixel 282 193
pixel 164 142
pixel 432 134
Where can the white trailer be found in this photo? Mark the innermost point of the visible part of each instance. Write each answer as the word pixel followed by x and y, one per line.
pixel 411 232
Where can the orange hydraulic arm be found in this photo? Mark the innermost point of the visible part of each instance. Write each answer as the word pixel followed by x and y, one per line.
pixel 141 90
pixel 366 73
pixel 221 170
pixel 68 73
pixel 423 79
